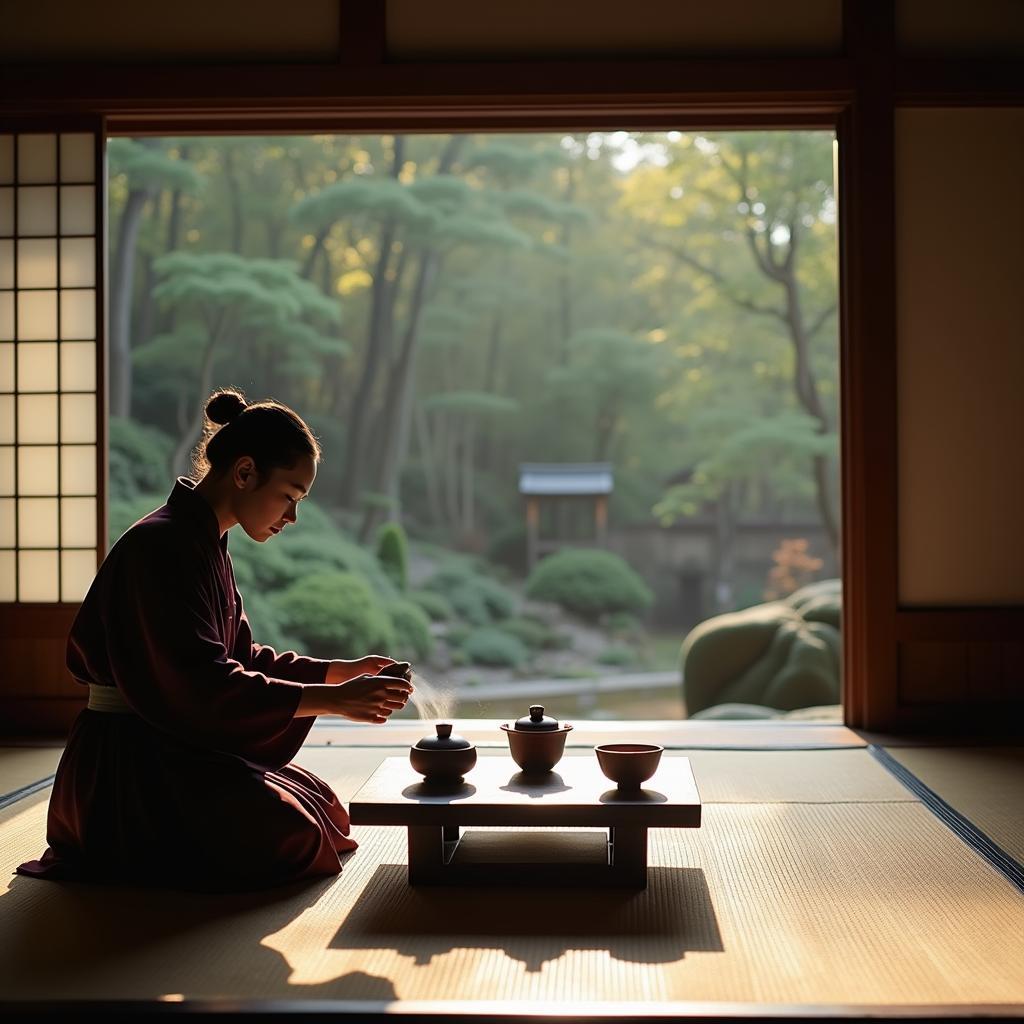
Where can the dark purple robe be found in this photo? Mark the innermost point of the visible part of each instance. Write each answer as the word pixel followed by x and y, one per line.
pixel 194 790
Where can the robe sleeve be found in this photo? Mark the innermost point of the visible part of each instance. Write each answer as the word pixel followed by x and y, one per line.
pixel 167 656
pixel 263 658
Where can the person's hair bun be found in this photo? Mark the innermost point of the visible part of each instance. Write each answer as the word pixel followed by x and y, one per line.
pixel 225 405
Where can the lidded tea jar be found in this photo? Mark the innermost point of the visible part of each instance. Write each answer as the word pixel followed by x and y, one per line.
pixel 444 757
pixel 536 741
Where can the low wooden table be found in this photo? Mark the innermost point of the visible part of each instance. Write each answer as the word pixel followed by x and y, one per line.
pixel 495 792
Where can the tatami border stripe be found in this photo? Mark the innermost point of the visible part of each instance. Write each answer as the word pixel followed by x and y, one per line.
pixel 1009 867
pixel 18 794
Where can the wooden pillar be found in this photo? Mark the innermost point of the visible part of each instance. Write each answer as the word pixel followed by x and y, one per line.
pixel 601 519
pixel 532 531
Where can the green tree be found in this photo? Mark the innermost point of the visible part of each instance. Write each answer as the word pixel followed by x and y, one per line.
pixel 222 298
pixel 766 197
pixel 462 412
pixel 147 171
pixel 608 373
pixel 388 205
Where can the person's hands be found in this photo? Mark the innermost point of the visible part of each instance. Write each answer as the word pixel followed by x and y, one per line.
pixel 370 698
pixel 401 669
pixel 342 670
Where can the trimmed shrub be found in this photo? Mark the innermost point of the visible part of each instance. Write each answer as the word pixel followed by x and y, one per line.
pixel 469 605
pixel 533 634
pixel 498 600
pixel 437 607
pixel 264 622
pixel 494 647
pixel 123 486
pixel 139 457
pixel 264 566
pixel 315 551
pixel 477 599
pixel 617 655
pixel 244 576
pixel 589 582
pixel 624 628
pixel 335 615
pixel 122 514
pixel 457 634
pixel 412 631
pixel 393 554
pixel 315 546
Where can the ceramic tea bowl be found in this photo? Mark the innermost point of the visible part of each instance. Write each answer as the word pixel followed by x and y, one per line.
pixel 628 764
pixel 444 757
pixel 536 741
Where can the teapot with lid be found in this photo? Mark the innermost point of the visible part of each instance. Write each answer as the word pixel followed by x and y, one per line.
pixel 536 741
pixel 443 757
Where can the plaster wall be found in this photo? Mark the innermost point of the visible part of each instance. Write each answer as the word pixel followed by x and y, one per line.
pixel 960 328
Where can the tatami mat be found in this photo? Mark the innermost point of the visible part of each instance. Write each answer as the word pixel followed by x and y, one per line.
pixel 984 784
pixel 809 882
pixel 21 766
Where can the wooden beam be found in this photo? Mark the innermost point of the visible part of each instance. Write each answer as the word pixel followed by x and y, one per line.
pixel 549 88
pixel 363 87
pixel 969 625
pixel 940 82
pixel 362 33
pixel 866 194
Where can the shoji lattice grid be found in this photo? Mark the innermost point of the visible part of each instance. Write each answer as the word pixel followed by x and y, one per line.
pixel 48 360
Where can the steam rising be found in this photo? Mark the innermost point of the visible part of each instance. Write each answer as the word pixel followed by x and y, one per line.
pixel 432 702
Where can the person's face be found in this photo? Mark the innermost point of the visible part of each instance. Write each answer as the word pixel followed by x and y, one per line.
pixel 264 506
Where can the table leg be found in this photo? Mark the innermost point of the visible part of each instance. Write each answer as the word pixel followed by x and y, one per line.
pixel 426 854
pixel 627 859
pixel 431 848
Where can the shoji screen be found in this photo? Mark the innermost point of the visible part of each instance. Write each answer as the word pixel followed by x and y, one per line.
pixel 50 315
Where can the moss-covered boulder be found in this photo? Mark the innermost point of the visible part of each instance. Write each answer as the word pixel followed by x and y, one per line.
pixel 819 602
pixel 775 655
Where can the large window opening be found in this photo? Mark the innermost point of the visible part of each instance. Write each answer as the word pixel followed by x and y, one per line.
pixel 577 395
